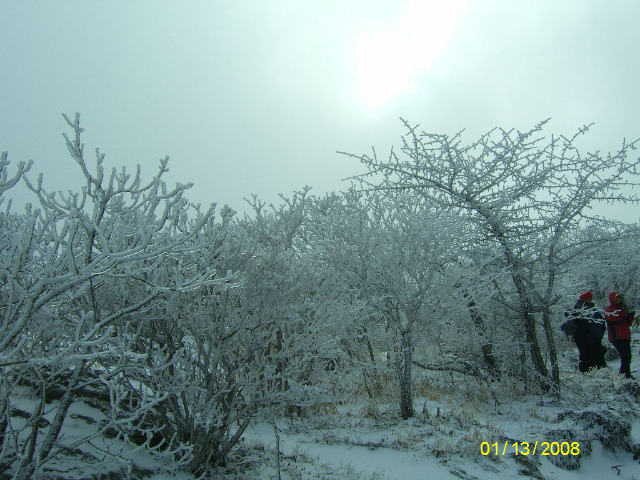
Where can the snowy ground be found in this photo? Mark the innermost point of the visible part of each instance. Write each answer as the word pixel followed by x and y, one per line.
pixel 360 440
pixel 349 445
pixel 443 440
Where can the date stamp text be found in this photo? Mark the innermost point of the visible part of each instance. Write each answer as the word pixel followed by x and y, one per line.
pixel 530 448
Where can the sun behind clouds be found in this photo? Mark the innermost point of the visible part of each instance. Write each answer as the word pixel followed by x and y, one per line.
pixel 388 60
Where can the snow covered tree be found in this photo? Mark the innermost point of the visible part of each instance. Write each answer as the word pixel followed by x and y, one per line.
pixel 342 237
pixel 520 191
pixel 7 182
pixel 77 283
pixel 396 260
pixel 281 288
pixel 419 247
pixel 606 258
pixel 252 345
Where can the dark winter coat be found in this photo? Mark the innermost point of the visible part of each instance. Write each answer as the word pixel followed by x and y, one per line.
pixel 618 320
pixel 589 321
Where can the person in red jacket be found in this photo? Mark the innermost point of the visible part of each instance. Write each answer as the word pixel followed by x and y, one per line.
pixel 619 321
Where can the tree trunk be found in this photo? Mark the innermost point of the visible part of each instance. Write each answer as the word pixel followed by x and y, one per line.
pixel 539 366
pixel 4 415
pixel 28 469
pixel 488 357
pixel 546 321
pixel 526 305
pixel 526 313
pixel 553 354
pixel 404 371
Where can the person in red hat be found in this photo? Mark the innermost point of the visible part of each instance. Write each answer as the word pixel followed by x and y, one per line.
pixel 619 321
pixel 587 332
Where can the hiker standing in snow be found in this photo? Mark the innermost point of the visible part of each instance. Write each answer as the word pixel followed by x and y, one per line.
pixel 619 320
pixel 588 333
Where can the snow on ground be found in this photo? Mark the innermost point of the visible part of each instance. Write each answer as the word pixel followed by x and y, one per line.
pixel 444 439
pixel 359 440
pixel 102 457
pixel 419 448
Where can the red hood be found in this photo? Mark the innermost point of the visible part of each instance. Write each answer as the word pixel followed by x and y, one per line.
pixel 612 297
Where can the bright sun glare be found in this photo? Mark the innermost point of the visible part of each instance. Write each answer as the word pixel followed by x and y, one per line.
pixel 388 61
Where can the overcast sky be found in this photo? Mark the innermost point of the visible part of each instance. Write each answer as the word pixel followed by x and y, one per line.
pixel 256 96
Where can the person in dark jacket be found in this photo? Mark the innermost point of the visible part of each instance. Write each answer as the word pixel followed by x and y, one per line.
pixel 619 321
pixel 590 328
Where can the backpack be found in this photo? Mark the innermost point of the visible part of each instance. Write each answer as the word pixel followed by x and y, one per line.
pixel 597 327
pixel 570 326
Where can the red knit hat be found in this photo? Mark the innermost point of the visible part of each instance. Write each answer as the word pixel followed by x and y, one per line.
pixel 586 296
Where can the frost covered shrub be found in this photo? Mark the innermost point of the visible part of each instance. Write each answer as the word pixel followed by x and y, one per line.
pixel 77 285
pixel 560 436
pixel 609 428
pixel 631 389
pixel 521 195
